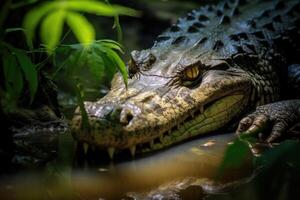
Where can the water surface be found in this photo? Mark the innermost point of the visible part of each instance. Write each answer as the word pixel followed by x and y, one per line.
pixel 65 179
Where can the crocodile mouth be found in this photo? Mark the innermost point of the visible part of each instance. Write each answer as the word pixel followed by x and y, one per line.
pixel 200 120
pixel 203 119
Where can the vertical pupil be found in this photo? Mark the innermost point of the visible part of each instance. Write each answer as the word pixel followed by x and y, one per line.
pixel 192 72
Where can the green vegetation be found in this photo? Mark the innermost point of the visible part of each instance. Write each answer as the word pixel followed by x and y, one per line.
pixel 236 155
pixel 17 68
pixel 241 152
pixel 23 64
pixel 276 171
pixel 54 14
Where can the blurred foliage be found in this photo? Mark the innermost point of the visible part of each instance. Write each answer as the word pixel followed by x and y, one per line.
pixel 275 169
pixel 21 68
pixel 95 57
pixel 276 174
pixel 235 156
pixel 286 151
pixel 17 70
pixel 242 150
pixel 55 13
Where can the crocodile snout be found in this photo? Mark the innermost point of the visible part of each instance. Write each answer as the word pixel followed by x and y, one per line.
pixel 116 114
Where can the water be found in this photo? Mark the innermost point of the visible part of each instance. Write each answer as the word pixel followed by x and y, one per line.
pixel 196 160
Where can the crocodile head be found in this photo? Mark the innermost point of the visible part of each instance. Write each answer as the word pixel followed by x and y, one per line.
pixel 173 94
pixel 201 74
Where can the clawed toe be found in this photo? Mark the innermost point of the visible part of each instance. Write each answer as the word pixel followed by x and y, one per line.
pixel 277 131
pixel 253 124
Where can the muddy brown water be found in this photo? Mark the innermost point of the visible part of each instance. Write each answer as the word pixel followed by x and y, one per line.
pixel 197 160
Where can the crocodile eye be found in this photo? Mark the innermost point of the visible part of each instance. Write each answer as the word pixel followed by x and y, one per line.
pixel 191 73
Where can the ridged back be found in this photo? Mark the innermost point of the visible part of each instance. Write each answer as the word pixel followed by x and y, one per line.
pixel 237 26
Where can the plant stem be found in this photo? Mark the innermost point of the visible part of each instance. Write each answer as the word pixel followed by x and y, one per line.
pixel 117 26
pixel 119 29
pixel 79 93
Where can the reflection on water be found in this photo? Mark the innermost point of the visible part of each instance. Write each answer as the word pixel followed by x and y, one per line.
pixel 198 159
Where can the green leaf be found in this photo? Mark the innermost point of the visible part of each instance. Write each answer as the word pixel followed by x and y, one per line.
pixel 81 27
pixel 110 67
pixel 30 72
pixel 115 58
pixel 111 44
pixel 95 63
pixel 56 17
pixel 100 57
pixel 112 58
pixel 235 156
pixel 34 16
pixel 51 29
pixel 100 8
pixel 108 41
pixel 12 77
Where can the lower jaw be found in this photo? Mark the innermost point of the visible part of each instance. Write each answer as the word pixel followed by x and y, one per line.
pixel 214 117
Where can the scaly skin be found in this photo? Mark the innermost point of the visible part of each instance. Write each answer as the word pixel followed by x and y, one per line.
pixel 207 71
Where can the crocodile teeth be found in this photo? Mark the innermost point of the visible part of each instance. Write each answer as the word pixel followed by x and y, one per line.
pixel 132 150
pixel 111 152
pixel 85 147
pixel 151 143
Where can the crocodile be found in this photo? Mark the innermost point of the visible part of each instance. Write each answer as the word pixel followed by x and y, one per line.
pixel 223 66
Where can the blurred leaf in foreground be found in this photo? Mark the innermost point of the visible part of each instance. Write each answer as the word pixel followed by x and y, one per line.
pixel 236 155
pixel 52 16
pixel 51 36
pixel 81 27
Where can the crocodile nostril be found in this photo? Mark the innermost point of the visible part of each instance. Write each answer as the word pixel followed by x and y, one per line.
pixel 114 113
pixel 118 114
pixel 126 116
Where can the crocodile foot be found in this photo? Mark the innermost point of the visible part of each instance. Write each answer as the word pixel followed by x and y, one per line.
pixel 271 121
